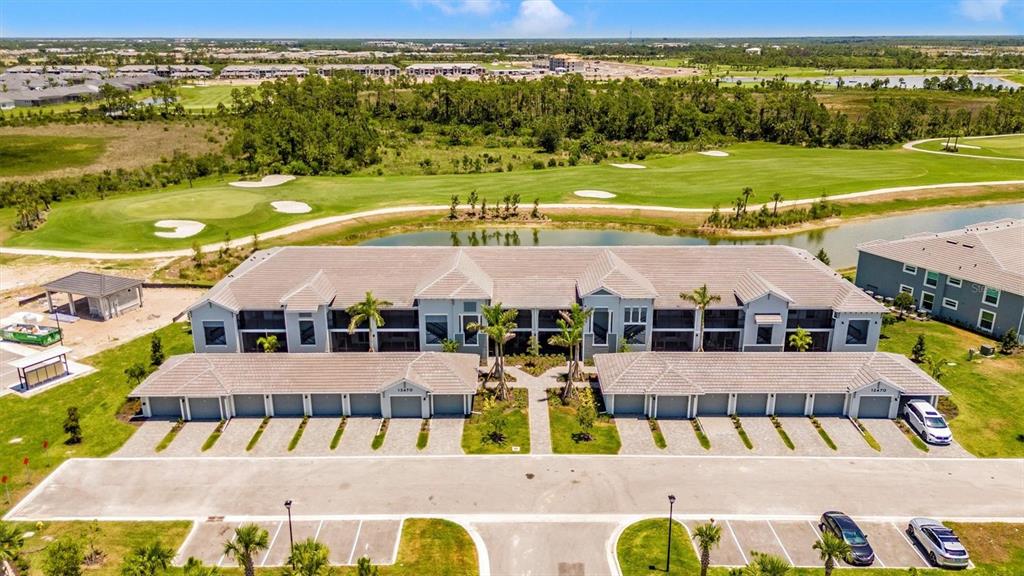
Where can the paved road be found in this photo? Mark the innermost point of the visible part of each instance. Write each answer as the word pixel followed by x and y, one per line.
pixel 167 488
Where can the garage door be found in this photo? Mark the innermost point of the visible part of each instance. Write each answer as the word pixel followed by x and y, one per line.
pixel 713 405
pixel 790 404
pixel 629 404
pixel 874 407
pixel 751 404
pixel 164 407
pixel 326 404
pixel 365 404
pixel 829 404
pixel 204 408
pixel 406 407
pixel 448 405
pixel 288 405
pixel 250 406
pixel 672 406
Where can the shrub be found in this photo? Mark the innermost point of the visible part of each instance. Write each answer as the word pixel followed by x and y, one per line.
pixel 1009 341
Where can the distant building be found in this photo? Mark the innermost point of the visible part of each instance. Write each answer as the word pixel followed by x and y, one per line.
pixel 58 70
pixel 445 69
pixel 753 51
pixel 367 70
pixel 167 70
pixel 565 63
pixel 239 71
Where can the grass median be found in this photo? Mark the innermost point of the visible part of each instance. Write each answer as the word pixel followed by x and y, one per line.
pixel 569 437
pixel 477 433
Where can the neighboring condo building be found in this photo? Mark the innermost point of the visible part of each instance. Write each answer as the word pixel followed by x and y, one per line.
pixel 300 295
pixel 972 277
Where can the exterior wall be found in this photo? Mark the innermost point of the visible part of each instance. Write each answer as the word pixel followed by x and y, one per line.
pixel 842 325
pixel 877 389
pixel 294 335
pixel 616 328
pixel 210 312
pixel 404 388
pixel 453 310
pixel 769 304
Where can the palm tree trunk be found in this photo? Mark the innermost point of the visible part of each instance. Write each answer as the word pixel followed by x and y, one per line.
pixel 502 389
pixel 700 339
pixel 373 335
pixel 249 569
pixel 829 565
pixel 705 561
pixel 569 390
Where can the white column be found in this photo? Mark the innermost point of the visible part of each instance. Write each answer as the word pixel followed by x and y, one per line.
pixel 49 301
pixel 693 406
pixel 71 303
pixel 732 405
pixel 809 405
pixel 846 405
pixel 146 410
pixel 268 404
pixel 307 405
pixel 185 410
pixel 346 405
pixel 770 408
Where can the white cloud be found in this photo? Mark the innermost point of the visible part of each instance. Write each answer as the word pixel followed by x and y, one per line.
pixel 982 9
pixel 539 18
pixel 475 7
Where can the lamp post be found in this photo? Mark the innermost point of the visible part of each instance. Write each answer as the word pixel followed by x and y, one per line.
pixel 291 538
pixel 668 555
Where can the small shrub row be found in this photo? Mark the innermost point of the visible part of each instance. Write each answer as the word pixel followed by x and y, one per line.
pixel 338 433
pixel 782 433
pixel 867 436
pixel 378 439
pixel 824 435
pixel 214 436
pixel 738 425
pixel 166 441
pixel 659 438
pixel 256 435
pixel 424 437
pixel 298 434
pixel 914 438
pixel 701 436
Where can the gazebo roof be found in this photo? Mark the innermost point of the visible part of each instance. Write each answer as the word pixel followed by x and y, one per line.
pixel 91 284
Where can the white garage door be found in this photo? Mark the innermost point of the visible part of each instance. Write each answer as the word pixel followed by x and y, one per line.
pixel 448 405
pixel 365 404
pixel 790 404
pixel 751 404
pixel 829 404
pixel 249 406
pixel 672 406
pixel 204 408
pixel 165 407
pixel 713 405
pixel 874 407
pixel 326 404
pixel 286 405
pixel 406 407
pixel 629 404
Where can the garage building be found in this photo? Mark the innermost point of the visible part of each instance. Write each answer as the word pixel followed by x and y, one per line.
pixel 692 384
pixel 375 384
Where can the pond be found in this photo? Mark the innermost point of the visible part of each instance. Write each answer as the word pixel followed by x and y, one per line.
pixel 840 242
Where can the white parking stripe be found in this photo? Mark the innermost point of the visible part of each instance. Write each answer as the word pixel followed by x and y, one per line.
pixel 352 554
pixel 269 548
pixel 737 541
pixel 781 545
pixel 398 538
pixel 318 528
pixel 224 554
pixel 911 544
pixel 184 545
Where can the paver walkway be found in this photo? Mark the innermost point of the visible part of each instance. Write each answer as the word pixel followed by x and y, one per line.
pixel 190 440
pixel 445 436
pixel 765 437
pixel 143 442
pixel 235 437
pixel 316 438
pixel 725 441
pixel 846 437
pixel 680 437
pixel 276 436
pixel 401 437
pixel 358 436
pixel 636 437
pixel 540 425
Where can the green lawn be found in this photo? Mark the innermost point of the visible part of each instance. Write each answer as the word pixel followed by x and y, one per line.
pixel 996 549
pixel 125 223
pixel 517 427
pixel 1003 147
pixel 23 155
pixel 98 396
pixel 431 546
pixel 565 427
pixel 193 97
pixel 988 392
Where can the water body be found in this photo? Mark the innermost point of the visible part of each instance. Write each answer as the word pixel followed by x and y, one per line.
pixel 840 242
pixel 894 81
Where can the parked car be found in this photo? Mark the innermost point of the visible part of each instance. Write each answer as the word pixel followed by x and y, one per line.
pixel 926 421
pixel 940 544
pixel 842 526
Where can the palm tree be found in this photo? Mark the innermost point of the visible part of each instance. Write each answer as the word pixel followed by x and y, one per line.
pixel 776 198
pixel 367 311
pixel 702 298
pixel 707 536
pixel 195 567
pixel 249 541
pixel 308 558
pixel 831 548
pixel 747 193
pixel 800 340
pixel 766 565
pixel 570 336
pixel 498 326
pixel 147 560
pixel 11 541
pixel 268 343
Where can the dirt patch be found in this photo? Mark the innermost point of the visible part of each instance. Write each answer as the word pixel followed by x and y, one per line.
pixel 129 146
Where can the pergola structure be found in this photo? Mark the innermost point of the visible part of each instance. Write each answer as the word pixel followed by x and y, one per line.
pixel 107 295
pixel 42 367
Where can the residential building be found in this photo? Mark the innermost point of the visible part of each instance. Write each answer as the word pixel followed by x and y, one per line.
pixel 367 70
pixel 972 277
pixel 167 70
pixel 251 71
pixel 300 294
pixel 445 69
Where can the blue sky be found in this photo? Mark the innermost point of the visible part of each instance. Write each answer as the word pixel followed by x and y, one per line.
pixel 507 18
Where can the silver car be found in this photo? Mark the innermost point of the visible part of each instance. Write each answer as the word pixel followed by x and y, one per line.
pixel 940 544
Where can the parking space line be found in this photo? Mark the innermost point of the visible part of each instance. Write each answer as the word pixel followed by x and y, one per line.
pixel 184 545
pixel 269 548
pixel 910 543
pixel 737 541
pixel 317 535
pixel 223 554
pixel 352 554
pixel 398 539
pixel 781 545
pixel 879 558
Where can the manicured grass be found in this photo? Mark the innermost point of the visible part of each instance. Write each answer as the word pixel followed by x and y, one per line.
pixel 430 546
pixel 23 155
pixel 738 425
pixel 824 435
pixel 125 222
pixel 565 428
pixel 257 434
pixel 298 434
pixel 782 433
pixel 659 438
pixel 382 432
pixel 517 427
pixel 1002 147
pixel 214 436
pixel 338 433
pixel 194 98
pixel 170 436
pixel 114 539
pixel 868 437
pixel 914 438
pixel 988 392
pixel 642 546
pixel 698 430
pixel 98 396
pixel 424 435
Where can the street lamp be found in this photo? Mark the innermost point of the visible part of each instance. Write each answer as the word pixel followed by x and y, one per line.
pixel 668 555
pixel 291 538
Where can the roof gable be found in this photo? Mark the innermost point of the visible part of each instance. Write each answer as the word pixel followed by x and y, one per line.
pixel 610 273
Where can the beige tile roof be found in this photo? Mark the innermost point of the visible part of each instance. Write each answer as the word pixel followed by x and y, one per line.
pixel 538 277
pixel 752 286
pixel 312 373
pixel 989 253
pixel 315 292
pixel 758 372
pixel 91 284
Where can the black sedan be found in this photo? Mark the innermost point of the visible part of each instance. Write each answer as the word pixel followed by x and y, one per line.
pixel 842 526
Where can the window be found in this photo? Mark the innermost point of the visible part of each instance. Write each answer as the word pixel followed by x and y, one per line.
pixel 307 333
pixel 764 334
pixel 987 320
pixel 857 332
pixel 955 282
pixel 214 334
pixel 907 289
pixel 950 303
pixel 634 333
pixel 927 301
pixel 469 306
pixel 635 315
pixel 910 269
pixel 931 279
pixel 437 328
pixel 471 337
pixel 991 297
pixel 600 321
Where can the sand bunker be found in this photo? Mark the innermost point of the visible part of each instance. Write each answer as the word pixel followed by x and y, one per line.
pixel 594 194
pixel 182 228
pixel 630 166
pixel 291 207
pixel 715 153
pixel 266 182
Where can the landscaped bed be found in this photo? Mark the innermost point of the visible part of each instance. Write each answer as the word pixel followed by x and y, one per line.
pixel 567 435
pixel 477 432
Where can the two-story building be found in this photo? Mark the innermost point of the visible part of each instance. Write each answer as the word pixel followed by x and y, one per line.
pixel 300 295
pixel 972 277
